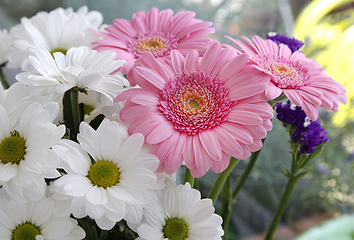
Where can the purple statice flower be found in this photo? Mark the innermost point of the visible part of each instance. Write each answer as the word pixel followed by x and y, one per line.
pixel 292 43
pixel 313 136
pixel 309 134
pixel 289 113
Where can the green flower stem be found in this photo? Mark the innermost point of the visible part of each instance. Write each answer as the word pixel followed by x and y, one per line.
pixel 103 235
pixel 71 110
pixel 188 177
pixel 281 207
pixel 219 183
pixel 292 179
pixel 240 183
pixel 3 79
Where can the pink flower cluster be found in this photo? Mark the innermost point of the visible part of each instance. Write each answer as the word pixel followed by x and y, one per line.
pixel 199 101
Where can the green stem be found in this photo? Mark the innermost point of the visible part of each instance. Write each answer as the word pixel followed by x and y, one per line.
pixel 188 177
pixel 245 174
pixel 219 183
pixel 71 110
pixel 3 79
pixel 281 207
pixel 240 183
pixel 103 235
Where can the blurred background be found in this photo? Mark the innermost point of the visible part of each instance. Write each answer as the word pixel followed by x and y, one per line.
pixel 327 28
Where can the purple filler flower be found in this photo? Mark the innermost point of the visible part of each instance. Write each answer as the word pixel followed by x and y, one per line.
pixel 292 43
pixel 309 134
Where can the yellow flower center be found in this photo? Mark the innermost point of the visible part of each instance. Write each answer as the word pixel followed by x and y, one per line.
pixel 62 50
pixel 152 44
pixel 12 149
pixel 104 174
pixel 25 231
pixel 193 103
pixel 175 229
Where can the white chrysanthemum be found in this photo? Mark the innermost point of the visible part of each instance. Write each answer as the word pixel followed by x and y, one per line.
pixel 35 221
pixel 25 154
pixel 5 45
pixel 180 213
pixel 81 67
pixel 56 31
pixel 109 174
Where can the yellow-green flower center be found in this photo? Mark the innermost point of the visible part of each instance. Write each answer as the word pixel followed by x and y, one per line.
pixel 88 109
pixel 104 174
pixel 175 229
pixel 25 231
pixel 12 149
pixel 62 50
pixel 193 103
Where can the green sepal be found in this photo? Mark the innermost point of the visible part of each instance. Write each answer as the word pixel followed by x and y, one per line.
pixel 300 175
pixel 285 171
pixel 310 156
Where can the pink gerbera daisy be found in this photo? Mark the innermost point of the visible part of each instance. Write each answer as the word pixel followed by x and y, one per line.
pixel 198 110
pixel 301 79
pixel 155 32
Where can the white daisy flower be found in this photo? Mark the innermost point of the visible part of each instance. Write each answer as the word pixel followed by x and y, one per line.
pixel 35 220
pixel 56 31
pixel 25 154
pixel 5 45
pixel 180 213
pixel 109 174
pixel 81 67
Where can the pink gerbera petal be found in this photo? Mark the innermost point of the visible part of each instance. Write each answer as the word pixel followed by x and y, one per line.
pixel 301 79
pixel 157 32
pixel 196 116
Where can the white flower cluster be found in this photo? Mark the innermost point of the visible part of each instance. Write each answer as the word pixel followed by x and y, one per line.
pixel 48 181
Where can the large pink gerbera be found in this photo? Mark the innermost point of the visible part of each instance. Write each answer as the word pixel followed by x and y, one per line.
pixel 155 32
pixel 198 110
pixel 301 79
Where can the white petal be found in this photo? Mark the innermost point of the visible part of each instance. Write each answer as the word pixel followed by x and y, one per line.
pixel 130 149
pixel 76 186
pixel 58 227
pixel 148 232
pixel 7 172
pixel 106 140
pixel 95 211
pixel 97 196
pixel 18 211
pixel 78 207
pixel 42 211
pixel 104 223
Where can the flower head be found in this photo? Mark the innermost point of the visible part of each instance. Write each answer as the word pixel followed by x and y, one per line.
pixel 81 67
pixel 309 134
pixel 26 157
pixel 109 174
pixel 301 79
pixel 292 43
pixel 157 32
pixel 198 111
pixel 35 220
pixel 180 213
pixel 56 31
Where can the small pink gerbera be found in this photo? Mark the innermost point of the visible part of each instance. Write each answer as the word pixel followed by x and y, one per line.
pixel 198 110
pixel 301 79
pixel 155 32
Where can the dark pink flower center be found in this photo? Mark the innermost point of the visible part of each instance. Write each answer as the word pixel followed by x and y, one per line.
pixel 195 102
pixel 158 43
pixel 287 74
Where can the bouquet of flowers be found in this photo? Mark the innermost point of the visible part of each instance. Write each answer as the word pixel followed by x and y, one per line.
pixel 102 117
